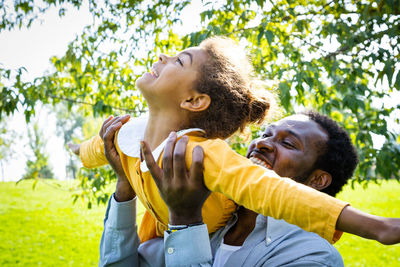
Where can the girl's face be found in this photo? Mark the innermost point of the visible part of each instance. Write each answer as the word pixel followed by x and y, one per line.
pixel 171 79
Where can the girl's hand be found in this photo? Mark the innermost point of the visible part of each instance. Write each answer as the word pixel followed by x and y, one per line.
pixel 384 230
pixel 74 148
pixel 183 191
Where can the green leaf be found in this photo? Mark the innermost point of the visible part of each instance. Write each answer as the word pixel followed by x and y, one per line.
pixel 284 91
pixel 270 36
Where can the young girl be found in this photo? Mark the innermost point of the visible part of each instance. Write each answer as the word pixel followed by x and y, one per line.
pixel 206 93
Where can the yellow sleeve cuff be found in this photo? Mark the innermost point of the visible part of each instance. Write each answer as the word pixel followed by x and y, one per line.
pixel 91 153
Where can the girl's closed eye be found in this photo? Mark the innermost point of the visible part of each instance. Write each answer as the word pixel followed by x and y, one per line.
pixel 179 61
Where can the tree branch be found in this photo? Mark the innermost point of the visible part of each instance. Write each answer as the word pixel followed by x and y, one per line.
pixel 91 104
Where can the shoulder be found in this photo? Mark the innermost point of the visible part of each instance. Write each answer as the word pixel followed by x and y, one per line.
pixel 292 244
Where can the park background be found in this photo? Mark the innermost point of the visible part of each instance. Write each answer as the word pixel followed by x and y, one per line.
pixel 65 65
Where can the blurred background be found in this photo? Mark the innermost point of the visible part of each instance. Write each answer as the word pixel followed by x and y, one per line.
pixel 67 65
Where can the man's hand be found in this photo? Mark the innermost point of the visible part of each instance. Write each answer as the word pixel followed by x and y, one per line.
pixel 107 133
pixel 183 191
pixel 123 191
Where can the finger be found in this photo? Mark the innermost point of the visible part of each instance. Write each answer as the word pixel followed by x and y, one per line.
pixel 179 161
pixel 108 137
pixel 168 156
pixel 102 129
pixel 122 119
pixel 125 118
pixel 107 124
pixel 196 169
pixel 155 171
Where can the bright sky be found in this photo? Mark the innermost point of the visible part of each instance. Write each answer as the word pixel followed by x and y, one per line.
pixel 32 48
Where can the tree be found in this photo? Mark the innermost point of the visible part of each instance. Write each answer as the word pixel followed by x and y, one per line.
pixel 37 165
pixel 7 140
pixel 69 126
pixel 338 57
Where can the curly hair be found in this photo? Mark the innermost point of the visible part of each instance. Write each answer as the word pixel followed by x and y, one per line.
pixel 339 157
pixel 227 77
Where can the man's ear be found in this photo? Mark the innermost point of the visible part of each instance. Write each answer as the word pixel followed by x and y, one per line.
pixel 196 103
pixel 319 180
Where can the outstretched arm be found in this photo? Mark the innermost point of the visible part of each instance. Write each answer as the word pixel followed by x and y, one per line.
pixel 353 221
pixel 384 230
pixel 91 152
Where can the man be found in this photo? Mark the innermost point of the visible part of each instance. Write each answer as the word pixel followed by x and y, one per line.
pixel 309 148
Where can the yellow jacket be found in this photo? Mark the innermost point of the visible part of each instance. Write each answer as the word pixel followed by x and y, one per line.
pixel 229 176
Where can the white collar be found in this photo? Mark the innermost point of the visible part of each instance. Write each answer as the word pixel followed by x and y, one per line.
pixel 132 132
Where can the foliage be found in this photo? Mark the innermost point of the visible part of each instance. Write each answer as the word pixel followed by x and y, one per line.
pixel 93 185
pixel 7 140
pixel 38 165
pixel 69 125
pixel 42 227
pixel 338 57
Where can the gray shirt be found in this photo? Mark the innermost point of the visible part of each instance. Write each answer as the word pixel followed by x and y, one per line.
pixel 271 243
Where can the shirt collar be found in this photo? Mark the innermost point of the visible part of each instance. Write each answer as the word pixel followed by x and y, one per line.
pixel 132 132
pixel 157 152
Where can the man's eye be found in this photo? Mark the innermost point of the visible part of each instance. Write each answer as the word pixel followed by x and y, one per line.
pixel 288 144
pixel 179 61
pixel 265 135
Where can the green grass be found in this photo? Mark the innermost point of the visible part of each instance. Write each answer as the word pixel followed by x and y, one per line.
pixel 381 200
pixel 42 227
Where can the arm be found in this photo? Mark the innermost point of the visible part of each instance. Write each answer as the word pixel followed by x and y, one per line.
pixel 263 191
pixel 384 230
pixel 184 192
pixel 120 243
pixel 91 152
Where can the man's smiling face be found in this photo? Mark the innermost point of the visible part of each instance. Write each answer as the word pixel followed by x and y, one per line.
pixel 290 147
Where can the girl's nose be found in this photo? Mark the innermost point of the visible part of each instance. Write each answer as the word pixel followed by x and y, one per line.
pixel 162 58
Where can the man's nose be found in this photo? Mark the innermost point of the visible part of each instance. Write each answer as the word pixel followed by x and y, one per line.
pixel 265 144
pixel 162 58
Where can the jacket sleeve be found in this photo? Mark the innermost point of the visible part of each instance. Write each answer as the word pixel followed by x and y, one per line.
pixel 119 241
pixel 91 153
pixel 263 191
pixel 188 247
pixel 120 244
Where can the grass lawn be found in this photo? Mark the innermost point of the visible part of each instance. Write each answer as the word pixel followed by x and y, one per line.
pixel 379 200
pixel 42 227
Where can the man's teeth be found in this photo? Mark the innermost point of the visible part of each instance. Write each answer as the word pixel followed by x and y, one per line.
pixel 260 162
